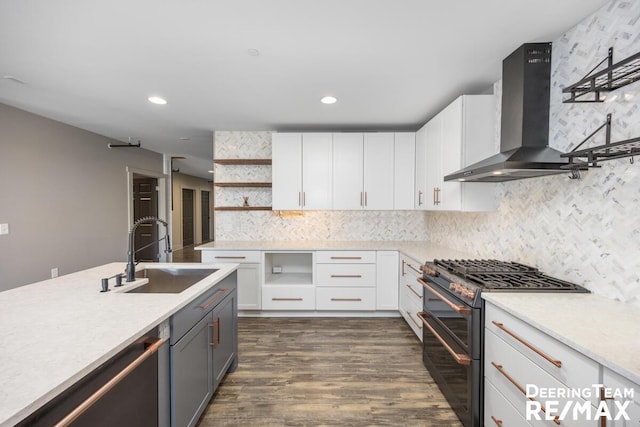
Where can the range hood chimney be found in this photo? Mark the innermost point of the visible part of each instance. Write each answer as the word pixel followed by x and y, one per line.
pixel 524 137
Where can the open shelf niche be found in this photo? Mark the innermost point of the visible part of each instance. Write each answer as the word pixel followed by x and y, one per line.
pixel 243 168
pixel 288 268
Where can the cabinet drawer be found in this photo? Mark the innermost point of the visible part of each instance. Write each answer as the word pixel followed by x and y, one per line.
pixel 188 316
pixel 409 311
pixel 410 269
pixel 231 256
pixel 413 291
pixel 345 298
pixel 616 381
pixel 349 257
pixel 284 297
pixel 508 370
pixel 346 275
pixel 498 412
pixel 575 370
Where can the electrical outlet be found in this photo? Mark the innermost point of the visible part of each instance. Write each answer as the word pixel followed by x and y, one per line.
pixel 54 272
pixel 4 228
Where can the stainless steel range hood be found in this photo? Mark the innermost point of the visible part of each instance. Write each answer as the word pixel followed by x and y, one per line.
pixel 524 137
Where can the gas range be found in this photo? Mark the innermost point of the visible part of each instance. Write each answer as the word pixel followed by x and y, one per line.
pixel 468 277
pixel 453 322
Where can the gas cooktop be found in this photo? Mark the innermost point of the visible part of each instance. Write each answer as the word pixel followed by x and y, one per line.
pixel 498 275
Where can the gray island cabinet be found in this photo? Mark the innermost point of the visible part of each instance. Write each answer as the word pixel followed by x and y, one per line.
pixel 204 347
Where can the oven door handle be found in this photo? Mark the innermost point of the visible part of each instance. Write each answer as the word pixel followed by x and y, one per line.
pixel 460 309
pixel 461 359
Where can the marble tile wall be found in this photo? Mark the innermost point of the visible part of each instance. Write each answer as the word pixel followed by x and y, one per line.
pixel 312 225
pixel 587 230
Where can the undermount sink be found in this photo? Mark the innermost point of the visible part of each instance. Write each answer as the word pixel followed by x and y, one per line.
pixel 169 280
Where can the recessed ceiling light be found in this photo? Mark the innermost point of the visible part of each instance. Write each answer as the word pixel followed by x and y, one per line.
pixel 329 100
pixel 210 171
pixel 185 138
pixel 497 172
pixel 157 100
pixel 253 52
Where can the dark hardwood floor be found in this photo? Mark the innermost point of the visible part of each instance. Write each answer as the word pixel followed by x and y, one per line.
pixel 328 372
pixel 186 254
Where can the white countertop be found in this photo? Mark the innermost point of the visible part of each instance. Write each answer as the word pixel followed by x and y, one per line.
pixel 56 331
pixel 419 250
pixel 603 329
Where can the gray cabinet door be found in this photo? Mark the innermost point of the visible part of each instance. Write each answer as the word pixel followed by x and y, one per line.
pixel 224 337
pixel 191 373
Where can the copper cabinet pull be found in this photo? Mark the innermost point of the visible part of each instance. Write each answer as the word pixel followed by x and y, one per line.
pixel 286 299
pixel 414 292
pixel 304 199
pixel 414 320
pixel 91 400
pixel 414 269
pixel 554 362
pixel 437 195
pixel 460 309
pixel 361 203
pixel 461 359
pixel 220 293
pixel 420 198
pixel 346 257
pixel 230 257
pixel 365 199
pixel 347 299
pixel 299 198
pixel 213 325
pixel 520 388
pixel 347 276
pixel 434 196
pixel 404 273
pixel 498 422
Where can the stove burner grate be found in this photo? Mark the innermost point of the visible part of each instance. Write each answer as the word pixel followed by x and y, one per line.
pixel 470 266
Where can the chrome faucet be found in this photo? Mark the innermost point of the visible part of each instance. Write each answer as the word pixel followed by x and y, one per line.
pixel 131 266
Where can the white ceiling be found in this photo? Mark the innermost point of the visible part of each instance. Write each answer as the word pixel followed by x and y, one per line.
pixel 392 64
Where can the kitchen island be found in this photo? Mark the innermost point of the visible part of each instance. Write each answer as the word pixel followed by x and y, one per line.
pixel 57 331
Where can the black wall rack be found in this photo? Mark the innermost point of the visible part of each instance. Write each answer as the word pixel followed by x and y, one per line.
pixel 613 77
pixel 608 151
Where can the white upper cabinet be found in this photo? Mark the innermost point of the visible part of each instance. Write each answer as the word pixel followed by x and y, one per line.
pixel 461 134
pixel 301 171
pixel 378 171
pixel 348 171
pixel 363 171
pixel 404 170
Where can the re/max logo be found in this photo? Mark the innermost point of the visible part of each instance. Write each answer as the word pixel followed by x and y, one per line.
pixel 575 410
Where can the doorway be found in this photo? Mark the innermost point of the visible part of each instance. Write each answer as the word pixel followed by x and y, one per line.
pixel 187 217
pixel 145 203
pixel 205 215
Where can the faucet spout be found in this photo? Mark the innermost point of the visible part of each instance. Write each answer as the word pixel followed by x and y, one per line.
pixel 131 266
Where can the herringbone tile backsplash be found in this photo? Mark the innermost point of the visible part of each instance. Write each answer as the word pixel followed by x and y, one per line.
pixel 588 230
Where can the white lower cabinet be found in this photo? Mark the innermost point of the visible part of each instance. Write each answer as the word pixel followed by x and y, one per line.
pixel 288 297
pixel 249 277
pixel 288 281
pixel 346 280
pixel 411 293
pixel 522 363
pixel 621 392
pixel 387 280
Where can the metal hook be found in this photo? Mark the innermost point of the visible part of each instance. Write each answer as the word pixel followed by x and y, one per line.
pixel 575 174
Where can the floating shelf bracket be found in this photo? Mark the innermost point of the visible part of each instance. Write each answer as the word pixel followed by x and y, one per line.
pixel 613 77
pixel 589 157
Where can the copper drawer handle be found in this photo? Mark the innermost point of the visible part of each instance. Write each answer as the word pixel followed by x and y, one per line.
pixel 461 359
pixel 347 299
pixel 519 387
pixel 554 362
pixel 286 299
pixel 213 300
pixel 91 400
pixel 414 320
pixel 498 422
pixel 215 341
pixel 413 290
pixel 460 309
pixel 414 269
pixel 346 257
pixel 230 257
pixel 347 276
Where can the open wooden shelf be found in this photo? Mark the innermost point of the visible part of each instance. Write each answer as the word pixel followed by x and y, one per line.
pixel 243 184
pixel 243 208
pixel 242 161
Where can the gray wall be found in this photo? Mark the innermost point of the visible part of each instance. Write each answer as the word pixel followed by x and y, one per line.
pixel 63 194
pixel 181 181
